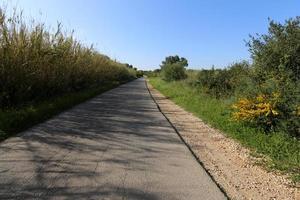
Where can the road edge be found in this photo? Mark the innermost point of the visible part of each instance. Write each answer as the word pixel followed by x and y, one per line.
pixel 186 144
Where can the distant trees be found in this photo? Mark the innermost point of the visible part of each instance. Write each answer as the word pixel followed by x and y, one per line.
pixel 139 73
pixel 128 66
pixel 173 68
pixel 175 59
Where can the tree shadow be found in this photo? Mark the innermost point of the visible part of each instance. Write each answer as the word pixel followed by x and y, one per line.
pixel 88 152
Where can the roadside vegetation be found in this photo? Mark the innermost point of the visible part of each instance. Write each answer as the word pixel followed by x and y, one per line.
pixel 43 72
pixel 256 103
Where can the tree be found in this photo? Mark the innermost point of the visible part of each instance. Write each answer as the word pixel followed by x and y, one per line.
pixel 128 66
pixel 173 68
pixel 174 59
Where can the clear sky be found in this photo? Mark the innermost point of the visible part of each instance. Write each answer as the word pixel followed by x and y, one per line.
pixel 143 32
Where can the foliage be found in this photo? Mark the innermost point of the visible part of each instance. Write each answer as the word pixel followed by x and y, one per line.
pixel 275 70
pixel 173 68
pixel 277 53
pixel 173 72
pixel 129 66
pixel 288 105
pixel 174 59
pixel 260 111
pixel 36 64
pixel 276 63
pixel 225 82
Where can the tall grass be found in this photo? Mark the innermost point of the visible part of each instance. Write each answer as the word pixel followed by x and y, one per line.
pixel 36 63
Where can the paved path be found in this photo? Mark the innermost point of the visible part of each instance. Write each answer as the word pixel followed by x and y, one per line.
pixel 115 146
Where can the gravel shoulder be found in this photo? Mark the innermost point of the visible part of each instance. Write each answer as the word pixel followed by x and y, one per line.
pixel 230 164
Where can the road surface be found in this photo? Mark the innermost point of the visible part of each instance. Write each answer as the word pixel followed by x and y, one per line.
pixel 114 146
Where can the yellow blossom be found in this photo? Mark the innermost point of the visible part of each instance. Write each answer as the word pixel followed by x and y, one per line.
pixel 251 109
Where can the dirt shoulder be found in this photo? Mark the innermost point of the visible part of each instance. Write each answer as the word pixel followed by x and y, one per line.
pixel 230 164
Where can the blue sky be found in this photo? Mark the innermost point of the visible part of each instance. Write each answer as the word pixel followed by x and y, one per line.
pixel 143 32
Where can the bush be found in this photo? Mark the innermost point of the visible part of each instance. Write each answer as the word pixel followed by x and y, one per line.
pixel 225 82
pixel 288 106
pixel 173 72
pixel 276 63
pixel 260 111
pixel 216 82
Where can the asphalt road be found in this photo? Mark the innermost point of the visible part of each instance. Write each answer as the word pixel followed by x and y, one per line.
pixel 115 146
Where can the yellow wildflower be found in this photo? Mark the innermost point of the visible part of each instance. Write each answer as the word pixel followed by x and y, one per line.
pixel 248 110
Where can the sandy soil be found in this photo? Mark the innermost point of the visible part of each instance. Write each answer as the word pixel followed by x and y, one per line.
pixel 230 164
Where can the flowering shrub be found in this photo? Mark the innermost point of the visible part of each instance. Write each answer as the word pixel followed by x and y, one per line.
pixel 260 110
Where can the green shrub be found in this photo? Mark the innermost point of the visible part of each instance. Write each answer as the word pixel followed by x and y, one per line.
pixel 276 63
pixel 215 82
pixel 225 82
pixel 173 72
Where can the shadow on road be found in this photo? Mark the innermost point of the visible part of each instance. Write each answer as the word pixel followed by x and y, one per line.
pixel 50 160
pixel 115 146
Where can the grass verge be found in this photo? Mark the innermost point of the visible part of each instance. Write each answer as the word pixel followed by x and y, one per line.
pixel 13 121
pixel 282 150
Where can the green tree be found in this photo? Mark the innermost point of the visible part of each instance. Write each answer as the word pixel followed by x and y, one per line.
pixel 174 59
pixel 173 68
